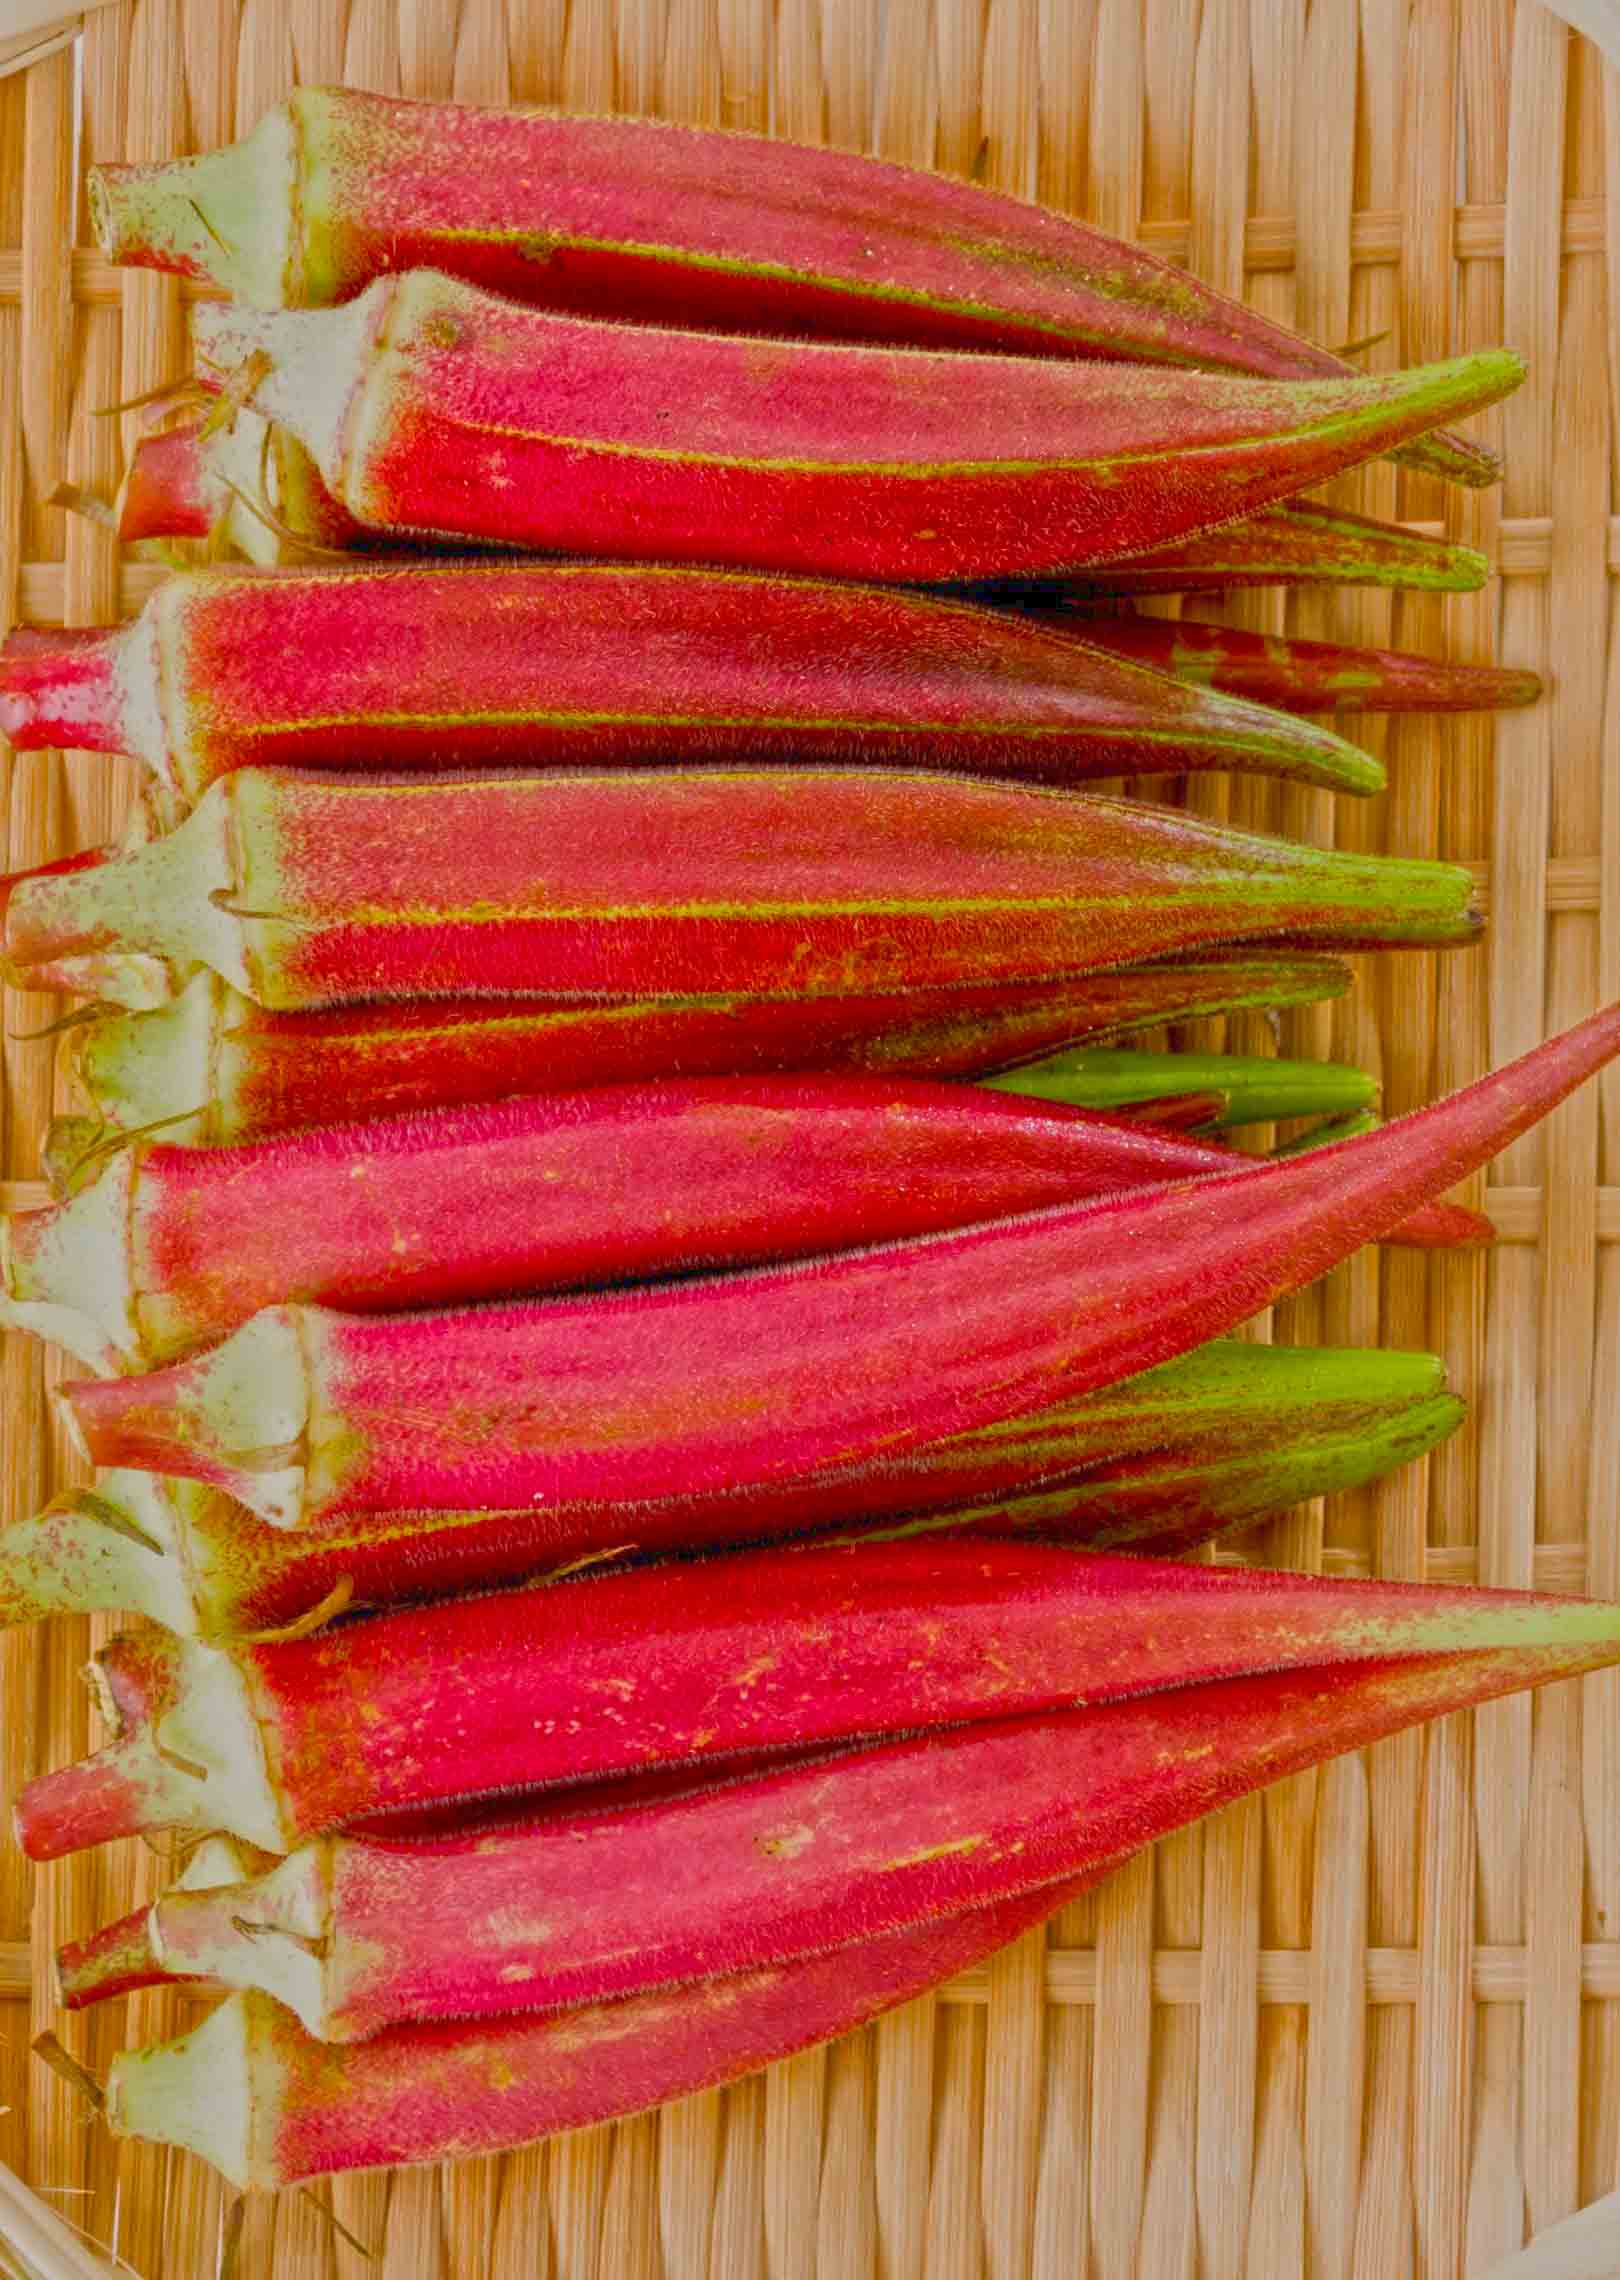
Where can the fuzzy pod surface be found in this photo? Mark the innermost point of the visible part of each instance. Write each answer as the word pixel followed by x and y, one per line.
pixel 304 890
pixel 475 664
pixel 1157 1463
pixel 745 1381
pixel 213 1067
pixel 435 410
pixel 645 219
pixel 743 1656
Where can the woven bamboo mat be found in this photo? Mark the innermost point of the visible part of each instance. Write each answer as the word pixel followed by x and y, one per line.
pixel 1369 2025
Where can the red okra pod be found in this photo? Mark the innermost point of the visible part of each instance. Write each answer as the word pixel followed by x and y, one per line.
pixel 746 1380
pixel 186 483
pixel 1156 1463
pixel 445 665
pixel 214 1067
pixel 742 1656
pixel 170 1248
pixel 1301 676
pixel 434 410
pixel 645 219
pixel 582 1903
pixel 305 890
pixel 269 2105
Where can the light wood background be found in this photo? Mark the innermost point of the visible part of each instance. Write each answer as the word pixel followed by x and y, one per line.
pixel 1369 2025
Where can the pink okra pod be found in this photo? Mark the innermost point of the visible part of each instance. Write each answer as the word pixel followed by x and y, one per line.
pixel 432 409
pixel 737 1657
pixel 644 219
pixel 745 1381
pixel 169 1248
pixel 212 1066
pixel 357 1934
pixel 444 665
pixel 304 890
pixel 1159 1462
pixel 270 2105
pixel 1299 676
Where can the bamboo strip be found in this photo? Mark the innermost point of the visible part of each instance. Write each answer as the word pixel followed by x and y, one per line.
pixel 521 2245
pixel 739 2205
pixel 414 2240
pixel 795 2097
pixel 1169 2237
pixel 688 2162
pixel 1062 2189
pixel 629 2208
pixel 955 2235
pixel 576 2188
pixel 1013 2073
pixel 1228 2039
pixel 846 2226
pixel 1335 2059
pixel 1276 2217
pixel 904 2097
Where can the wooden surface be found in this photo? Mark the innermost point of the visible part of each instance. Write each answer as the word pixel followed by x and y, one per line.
pixel 1370 2025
